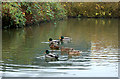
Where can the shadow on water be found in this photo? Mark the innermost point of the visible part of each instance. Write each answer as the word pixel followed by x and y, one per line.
pixel 97 38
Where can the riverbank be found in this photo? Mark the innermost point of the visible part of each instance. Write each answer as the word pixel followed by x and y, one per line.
pixel 15 14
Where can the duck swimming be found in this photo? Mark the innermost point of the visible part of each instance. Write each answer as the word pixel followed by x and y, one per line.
pixel 53 41
pixel 65 39
pixel 50 55
pixel 74 52
pixel 66 49
pixel 54 46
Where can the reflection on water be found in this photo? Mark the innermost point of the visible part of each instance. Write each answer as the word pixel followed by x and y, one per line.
pixel 23 52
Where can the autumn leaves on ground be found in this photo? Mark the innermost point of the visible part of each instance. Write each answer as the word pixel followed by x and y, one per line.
pixel 15 14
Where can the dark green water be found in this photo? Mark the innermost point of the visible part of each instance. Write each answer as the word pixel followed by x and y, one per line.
pixel 23 52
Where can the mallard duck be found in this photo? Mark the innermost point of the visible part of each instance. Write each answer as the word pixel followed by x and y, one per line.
pixel 53 46
pixel 74 52
pixel 50 55
pixel 66 49
pixel 54 41
pixel 65 39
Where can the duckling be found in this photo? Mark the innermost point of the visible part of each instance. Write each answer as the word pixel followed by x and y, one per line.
pixel 54 41
pixel 54 46
pixel 66 49
pixel 74 52
pixel 50 55
pixel 65 39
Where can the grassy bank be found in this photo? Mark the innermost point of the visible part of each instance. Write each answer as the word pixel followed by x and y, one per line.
pixel 16 14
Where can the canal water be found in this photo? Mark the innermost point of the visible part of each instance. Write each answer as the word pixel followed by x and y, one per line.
pixel 23 49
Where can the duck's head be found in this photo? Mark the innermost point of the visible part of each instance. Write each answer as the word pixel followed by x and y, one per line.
pixel 62 37
pixel 50 39
pixel 47 51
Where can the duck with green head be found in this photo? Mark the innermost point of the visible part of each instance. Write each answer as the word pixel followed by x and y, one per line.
pixel 50 55
pixel 65 39
pixel 53 41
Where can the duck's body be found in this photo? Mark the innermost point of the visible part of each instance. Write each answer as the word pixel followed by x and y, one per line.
pixel 66 49
pixel 56 41
pixel 54 46
pixel 74 52
pixel 65 39
pixel 50 55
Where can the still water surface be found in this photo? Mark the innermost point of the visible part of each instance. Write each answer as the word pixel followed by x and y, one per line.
pixel 23 52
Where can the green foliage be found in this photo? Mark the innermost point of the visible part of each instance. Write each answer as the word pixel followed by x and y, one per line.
pixel 31 12
pixel 18 14
pixel 47 11
pixel 13 11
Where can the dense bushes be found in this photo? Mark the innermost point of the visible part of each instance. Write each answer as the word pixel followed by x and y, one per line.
pixel 92 9
pixel 17 14
pixel 12 15
pixel 44 12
